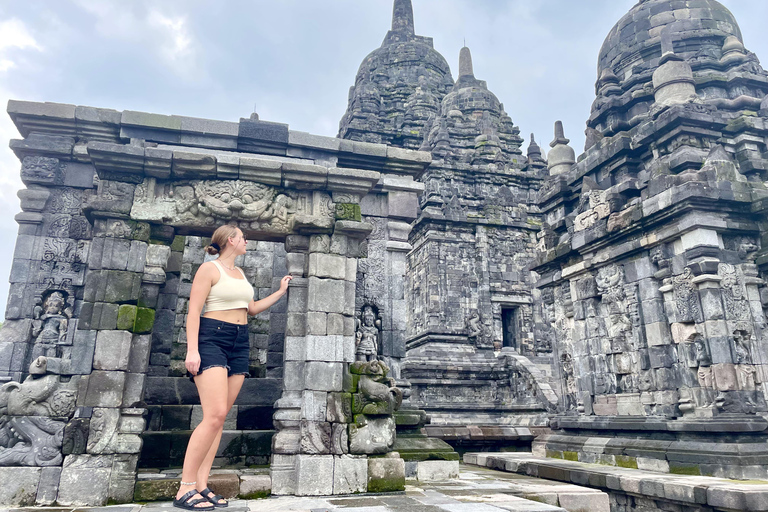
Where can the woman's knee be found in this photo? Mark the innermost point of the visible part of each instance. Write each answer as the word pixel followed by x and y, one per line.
pixel 215 417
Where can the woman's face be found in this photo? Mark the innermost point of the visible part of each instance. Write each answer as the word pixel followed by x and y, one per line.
pixel 238 243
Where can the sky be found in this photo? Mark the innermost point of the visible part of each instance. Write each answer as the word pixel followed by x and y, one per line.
pixel 293 61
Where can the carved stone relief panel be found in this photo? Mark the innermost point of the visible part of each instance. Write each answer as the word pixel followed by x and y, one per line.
pixel 258 207
pixel 686 297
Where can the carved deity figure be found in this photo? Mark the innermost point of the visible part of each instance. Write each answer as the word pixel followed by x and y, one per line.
pixel 704 372
pixel 741 347
pixel 50 324
pixel 475 327
pixel 367 335
pixel 571 387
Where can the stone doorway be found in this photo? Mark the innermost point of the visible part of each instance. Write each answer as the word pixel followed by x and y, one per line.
pixel 173 415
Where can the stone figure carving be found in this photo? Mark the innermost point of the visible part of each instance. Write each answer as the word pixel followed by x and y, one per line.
pixel 50 324
pixel 741 347
pixel 736 306
pixel 367 335
pixel 475 329
pixel 29 436
pixel 242 200
pixel 30 441
pixel 41 394
pixel 259 206
pixel 571 386
pixel 610 285
pixel 686 297
pixel 377 398
pixel 704 372
pixel 378 389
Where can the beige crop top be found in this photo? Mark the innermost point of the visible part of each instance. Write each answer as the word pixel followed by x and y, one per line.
pixel 229 292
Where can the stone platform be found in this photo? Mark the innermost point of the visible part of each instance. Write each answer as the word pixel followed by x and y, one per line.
pixel 476 490
pixel 633 489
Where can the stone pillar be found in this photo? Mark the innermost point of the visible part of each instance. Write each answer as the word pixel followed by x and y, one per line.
pixel 119 300
pixel 311 447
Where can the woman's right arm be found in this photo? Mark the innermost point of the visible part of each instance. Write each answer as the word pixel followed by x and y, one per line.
pixel 201 286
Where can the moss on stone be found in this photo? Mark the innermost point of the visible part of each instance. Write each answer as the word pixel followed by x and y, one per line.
pixel 389 483
pixel 126 317
pixel 141 231
pixel 164 489
pixel 145 320
pixel 348 211
pixel 571 456
pixel 350 383
pixel 684 469
pixel 554 454
pixel 624 461
pixel 178 243
pixel 258 495
pixel 430 455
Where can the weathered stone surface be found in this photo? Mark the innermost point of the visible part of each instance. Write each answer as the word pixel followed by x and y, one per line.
pixel 386 474
pixel 85 480
pixel 350 474
pixel 436 470
pixel 48 488
pixel 314 475
pixel 254 486
pixel 374 435
pixel 20 486
pixel 112 350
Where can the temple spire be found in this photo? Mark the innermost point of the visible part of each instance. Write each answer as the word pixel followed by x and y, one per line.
pixel 402 17
pixel 465 63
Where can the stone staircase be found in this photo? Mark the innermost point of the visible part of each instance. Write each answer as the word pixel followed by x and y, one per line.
pixel 632 489
pixel 174 411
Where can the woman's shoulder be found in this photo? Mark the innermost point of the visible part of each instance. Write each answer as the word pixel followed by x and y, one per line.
pixel 208 268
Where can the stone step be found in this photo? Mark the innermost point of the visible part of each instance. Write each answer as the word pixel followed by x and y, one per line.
pixel 181 391
pixel 244 484
pixel 187 417
pixel 658 490
pixel 238 448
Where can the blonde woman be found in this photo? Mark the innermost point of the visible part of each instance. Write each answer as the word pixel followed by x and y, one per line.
pixel 217 356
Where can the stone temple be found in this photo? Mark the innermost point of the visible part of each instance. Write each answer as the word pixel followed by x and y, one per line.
pixel 599 319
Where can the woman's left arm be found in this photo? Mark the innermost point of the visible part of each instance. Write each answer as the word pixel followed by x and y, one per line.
pixel 257 306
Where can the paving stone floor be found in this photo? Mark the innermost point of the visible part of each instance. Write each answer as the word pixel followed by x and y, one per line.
pixel 476 490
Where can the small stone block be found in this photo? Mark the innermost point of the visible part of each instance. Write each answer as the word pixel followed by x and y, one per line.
pixel 386 474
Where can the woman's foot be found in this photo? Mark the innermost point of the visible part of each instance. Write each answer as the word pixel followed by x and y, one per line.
pixel 218 501
pixel 189 499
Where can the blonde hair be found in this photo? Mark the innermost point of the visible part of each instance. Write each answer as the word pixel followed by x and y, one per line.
pixel 220 238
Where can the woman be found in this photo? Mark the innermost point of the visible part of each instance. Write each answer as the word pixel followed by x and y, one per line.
pixel 217 356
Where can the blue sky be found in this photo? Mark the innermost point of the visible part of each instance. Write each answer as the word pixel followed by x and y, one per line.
pixel 294 60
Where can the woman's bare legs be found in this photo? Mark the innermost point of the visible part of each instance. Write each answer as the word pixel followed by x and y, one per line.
pixel 234 383
pixel 212 386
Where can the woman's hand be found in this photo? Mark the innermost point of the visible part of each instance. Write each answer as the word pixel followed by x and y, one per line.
pixel 192 362
pixel 284 284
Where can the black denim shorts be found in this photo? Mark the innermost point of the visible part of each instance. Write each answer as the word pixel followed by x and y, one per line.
pixel 223 345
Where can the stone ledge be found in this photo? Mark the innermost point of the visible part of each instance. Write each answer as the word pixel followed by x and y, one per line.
pixel 679 489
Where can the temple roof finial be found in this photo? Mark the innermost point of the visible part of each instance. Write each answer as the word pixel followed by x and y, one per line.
pixel 402 17
pixel 465 63
pixel 559 135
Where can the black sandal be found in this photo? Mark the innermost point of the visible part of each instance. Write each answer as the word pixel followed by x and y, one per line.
pixel 215 499
pixel 187 503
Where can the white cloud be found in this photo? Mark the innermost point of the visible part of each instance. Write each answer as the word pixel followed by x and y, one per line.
pixel 14 34
pixel 177 34
pixel 139 23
